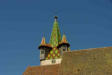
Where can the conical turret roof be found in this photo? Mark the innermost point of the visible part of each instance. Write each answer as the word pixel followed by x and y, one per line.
pixel 64 40
pixel 43 41
pixel 43 44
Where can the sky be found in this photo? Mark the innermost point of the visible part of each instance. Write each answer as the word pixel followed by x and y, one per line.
pixel 86 23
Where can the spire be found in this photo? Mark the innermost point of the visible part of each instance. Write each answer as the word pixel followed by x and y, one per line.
pixel 64 40
pixel 55 35
pixel 43 41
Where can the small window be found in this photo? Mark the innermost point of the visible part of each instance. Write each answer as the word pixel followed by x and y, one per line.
pixel 42 51
pixel 64 49
pixel 53 61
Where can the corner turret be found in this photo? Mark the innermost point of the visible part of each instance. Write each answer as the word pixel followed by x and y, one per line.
pixel 44 49
pixel 63 45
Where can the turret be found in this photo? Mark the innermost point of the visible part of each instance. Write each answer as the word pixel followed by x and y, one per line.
pixel 44 49
pixel 63 45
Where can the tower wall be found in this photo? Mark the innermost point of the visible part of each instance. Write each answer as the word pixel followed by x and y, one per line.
pixel 50 62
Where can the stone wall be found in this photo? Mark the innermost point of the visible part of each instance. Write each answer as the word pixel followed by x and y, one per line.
pixel 96 61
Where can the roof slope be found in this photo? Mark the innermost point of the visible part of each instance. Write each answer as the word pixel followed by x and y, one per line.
pixel 42 70
pixel 96 61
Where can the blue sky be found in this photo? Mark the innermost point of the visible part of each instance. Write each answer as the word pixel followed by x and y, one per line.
pixel 86 23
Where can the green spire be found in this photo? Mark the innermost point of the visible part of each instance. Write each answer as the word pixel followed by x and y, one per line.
pixel 55 35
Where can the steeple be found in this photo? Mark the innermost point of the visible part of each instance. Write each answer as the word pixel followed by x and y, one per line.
pixel 55 35
pixel 51 53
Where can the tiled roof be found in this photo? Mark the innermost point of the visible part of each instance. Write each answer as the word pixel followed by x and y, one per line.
pixel 42 70
pixel 55 35
pixel 64 40
pixel 54 54
pixel 96 61
pixel 43 42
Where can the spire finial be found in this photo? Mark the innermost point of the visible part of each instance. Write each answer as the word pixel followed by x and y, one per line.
pixel 55 18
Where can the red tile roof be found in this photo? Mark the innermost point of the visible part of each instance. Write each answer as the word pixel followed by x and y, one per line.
pixel 42 70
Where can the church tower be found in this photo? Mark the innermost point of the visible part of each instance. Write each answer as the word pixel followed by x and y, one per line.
pixel 51 53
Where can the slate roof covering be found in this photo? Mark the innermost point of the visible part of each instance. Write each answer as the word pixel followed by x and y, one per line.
pixel 96 61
